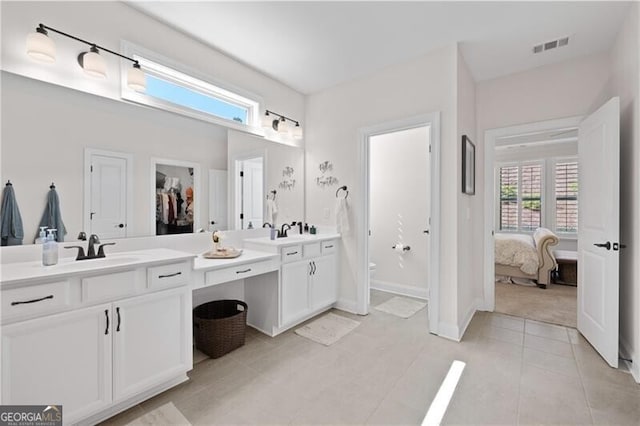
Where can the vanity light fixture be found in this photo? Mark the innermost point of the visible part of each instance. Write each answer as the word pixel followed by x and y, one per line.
pixel 42 48
pixel 281 124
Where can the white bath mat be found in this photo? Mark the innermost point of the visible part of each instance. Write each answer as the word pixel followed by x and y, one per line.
pixel 166 414
pixel 401 307
pixel 328 329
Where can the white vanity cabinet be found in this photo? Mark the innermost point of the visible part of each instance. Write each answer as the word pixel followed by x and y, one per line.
pixel 60 359
pixel 114 340
pixel 308 286
pixel 151 340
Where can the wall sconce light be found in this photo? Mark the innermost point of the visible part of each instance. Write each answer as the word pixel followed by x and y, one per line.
pixel 278 122
pixel 40 47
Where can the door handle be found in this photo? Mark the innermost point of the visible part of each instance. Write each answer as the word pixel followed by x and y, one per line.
pixel 426 231
pixel 120 225
pixel 106 314
pixel 606 245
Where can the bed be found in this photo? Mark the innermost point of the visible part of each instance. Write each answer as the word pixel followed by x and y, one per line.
pixel 526 256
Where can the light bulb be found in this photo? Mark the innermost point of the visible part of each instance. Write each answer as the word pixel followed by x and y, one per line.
pixel 136 79
pixel 93 64
pixel 283 127
pixel 40 47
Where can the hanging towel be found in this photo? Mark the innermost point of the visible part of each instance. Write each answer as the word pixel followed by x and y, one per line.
pixel 12 230
pixel 272 211
pixel 52 217
pixel 342 216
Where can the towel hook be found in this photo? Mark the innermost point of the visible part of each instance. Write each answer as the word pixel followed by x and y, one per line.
pixel 9 183
pixel 273 192
pixel 52 186
pixel 343 188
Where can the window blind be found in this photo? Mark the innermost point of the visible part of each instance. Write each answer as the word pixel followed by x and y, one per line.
pixel 509 198
pixel 531 190
pixel 567 196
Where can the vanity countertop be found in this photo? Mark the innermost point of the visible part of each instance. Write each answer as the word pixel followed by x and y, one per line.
pixel 293 239
pixel 247 256
pixel 20 272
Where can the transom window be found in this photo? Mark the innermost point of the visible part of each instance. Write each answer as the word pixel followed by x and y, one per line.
pixel 176 91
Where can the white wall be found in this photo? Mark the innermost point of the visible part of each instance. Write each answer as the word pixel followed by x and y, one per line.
pixel 399 208
pixel 420 86
pixel 290 202
pixel 625 77
pixel 469 213
pixel 107 23
pixel 45 129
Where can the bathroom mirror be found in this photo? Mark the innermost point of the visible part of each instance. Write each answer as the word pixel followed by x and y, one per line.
pixel 176 196
pixel 54 134
pixel 265 182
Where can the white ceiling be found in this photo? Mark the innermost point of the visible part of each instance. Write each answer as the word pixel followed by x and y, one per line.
pixel 314 45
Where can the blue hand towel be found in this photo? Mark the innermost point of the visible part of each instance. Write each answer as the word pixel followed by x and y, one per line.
pixel 12 231
pixel 52 217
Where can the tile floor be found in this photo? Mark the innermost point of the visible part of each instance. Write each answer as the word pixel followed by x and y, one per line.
pixel 388 370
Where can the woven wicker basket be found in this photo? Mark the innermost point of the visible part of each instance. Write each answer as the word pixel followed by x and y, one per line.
pixel 219 326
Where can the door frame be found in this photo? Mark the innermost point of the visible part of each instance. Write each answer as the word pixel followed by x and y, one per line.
pixel 362 209
pixel 233 201
pixel 490 137
pixel 86 203
pixel 197 189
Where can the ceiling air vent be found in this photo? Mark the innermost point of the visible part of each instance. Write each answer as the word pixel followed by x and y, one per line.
pixel 542 47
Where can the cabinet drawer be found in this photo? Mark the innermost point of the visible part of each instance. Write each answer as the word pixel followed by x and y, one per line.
pixel 167 275
pixel 329 247
pixel 311 250
pixel 110 286
pixel 291 253
pixel 238 272
pixel 26 301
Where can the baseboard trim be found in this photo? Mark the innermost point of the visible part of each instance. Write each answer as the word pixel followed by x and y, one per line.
pixel 403 290
pixel 475 306
pixel 634 366
pixel 347 306
pixel 448 331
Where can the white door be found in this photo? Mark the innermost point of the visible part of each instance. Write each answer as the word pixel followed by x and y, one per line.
pixel 218 200
pixel 152 340
pixel 252 192
pixel 108 203
pixel 61 359
pixel 323 282
pixel 598 229
pixel 295 290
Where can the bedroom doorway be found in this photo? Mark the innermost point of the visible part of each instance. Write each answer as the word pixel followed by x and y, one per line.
pixel 598 207
pixel 536 221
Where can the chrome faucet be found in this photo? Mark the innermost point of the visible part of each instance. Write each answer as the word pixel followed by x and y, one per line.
pixel 283 232
pixel 91 251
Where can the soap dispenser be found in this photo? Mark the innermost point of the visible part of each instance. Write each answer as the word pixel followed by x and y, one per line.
pixel 50 249
pixel 43 235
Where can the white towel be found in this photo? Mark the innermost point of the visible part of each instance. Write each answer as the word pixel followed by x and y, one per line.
pixel 272 211
pixel 342 216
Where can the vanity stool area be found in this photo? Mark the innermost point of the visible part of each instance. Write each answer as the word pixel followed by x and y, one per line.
pixel 99 336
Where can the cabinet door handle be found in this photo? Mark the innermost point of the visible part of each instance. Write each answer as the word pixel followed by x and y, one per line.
pixel 118 313
pixel 170 275
pixel 292 253
pixel 310 268
pixel 106 314
pixel 313 264
pixel 32 301
pixel 331 246
pixel 243 271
